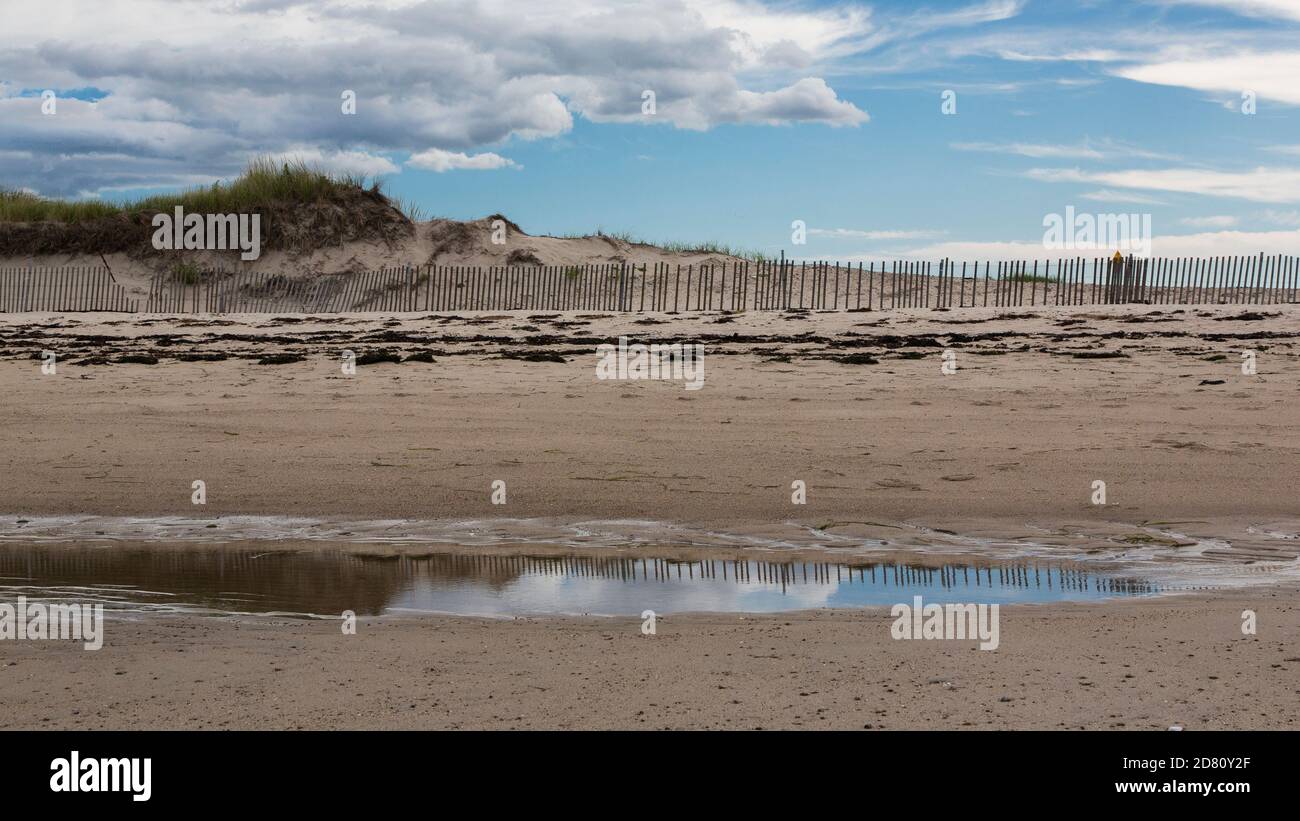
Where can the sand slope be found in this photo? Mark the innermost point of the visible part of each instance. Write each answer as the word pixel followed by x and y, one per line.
pixel 439 241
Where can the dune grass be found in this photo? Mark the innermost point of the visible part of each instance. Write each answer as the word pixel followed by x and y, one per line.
pixel 263 182
pixel 24 206
pixel 412 209
pixel 676 247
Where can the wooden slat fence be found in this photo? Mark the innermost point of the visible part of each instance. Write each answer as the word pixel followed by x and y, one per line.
pixel 666 288
pixel 62 289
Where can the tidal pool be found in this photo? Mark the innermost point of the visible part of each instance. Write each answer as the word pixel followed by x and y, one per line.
pixel 321 580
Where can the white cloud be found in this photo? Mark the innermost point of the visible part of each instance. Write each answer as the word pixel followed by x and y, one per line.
pixel 1220 59
pixel 196 89
pixel 1032 150
pixel 1108 195
pixel 970 250
pixel 808 99
pixel 1284 9
pixel 1085 150
pixel 1217 221
pixel 435 159
pixel 360 163
pixel 1273 185
pixel 1084 56
pixel 1281 217
pixel 851 233
pixel 797 34
pixel 1271 75
pixel 1207 244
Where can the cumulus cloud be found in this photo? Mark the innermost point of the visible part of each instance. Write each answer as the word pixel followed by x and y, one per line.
pixel 436 159
pixel 194 89
pixel 358 163
pixel 808 99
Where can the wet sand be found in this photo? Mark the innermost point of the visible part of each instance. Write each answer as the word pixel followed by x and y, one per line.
pixel 1044 402
pixel 1147 664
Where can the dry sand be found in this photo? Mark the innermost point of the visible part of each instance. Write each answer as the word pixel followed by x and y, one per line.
pixel 1009 443
pixel 1019 433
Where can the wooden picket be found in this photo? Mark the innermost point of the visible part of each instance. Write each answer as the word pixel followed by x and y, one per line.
pixel 757 285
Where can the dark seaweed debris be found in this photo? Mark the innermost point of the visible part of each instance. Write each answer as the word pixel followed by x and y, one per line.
pixel 856 359
pixel 377 357
pixel 280 359
pixel 531 356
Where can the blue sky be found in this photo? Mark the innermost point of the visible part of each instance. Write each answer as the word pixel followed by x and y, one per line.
pixel 767 113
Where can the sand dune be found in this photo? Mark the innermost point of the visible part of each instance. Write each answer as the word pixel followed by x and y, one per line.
pixel 438 241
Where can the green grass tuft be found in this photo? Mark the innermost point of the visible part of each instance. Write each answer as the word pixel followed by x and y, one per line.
pixel 186 272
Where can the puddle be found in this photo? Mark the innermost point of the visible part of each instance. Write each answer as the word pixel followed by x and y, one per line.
pixel 326 580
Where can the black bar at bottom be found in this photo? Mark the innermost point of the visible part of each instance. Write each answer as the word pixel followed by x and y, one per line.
pixel 211 770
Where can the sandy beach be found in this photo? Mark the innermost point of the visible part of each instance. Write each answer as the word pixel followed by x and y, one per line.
pixel 1042 404
pixel 1149 665
pixel 1198 459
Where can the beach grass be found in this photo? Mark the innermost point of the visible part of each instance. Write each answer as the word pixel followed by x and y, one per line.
pixel 265 181
pixel 677 247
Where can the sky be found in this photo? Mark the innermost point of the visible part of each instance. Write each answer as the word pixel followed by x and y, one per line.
pixel 882 129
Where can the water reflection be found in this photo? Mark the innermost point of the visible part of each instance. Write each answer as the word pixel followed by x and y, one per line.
pixel 243 579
